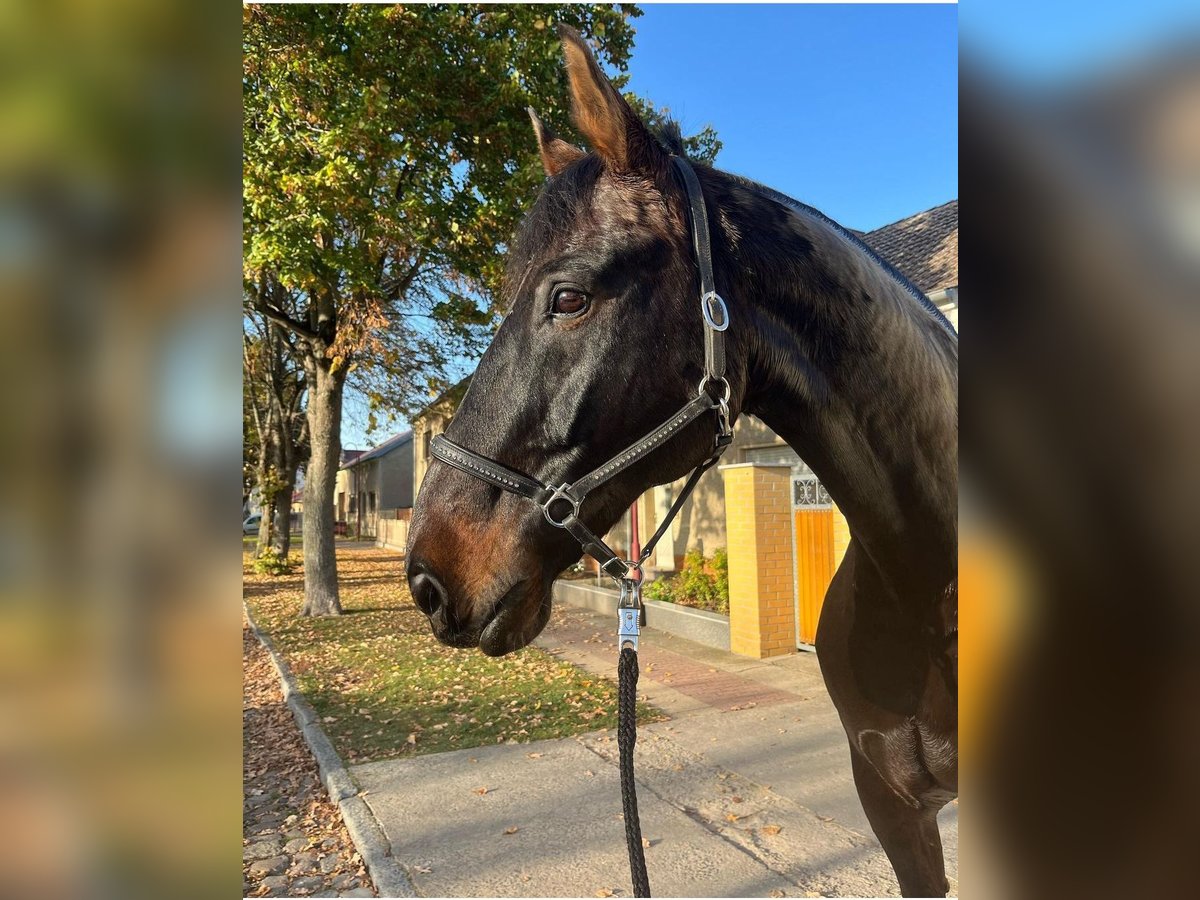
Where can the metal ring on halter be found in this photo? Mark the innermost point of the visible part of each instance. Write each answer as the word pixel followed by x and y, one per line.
pixel 722 380
pixel 562 492
pixel 710 301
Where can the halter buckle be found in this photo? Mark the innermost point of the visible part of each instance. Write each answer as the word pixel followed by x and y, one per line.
pixel 562 492
pixel 714 302
pixel 615 568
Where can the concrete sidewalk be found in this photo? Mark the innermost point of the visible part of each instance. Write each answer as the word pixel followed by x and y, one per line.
pixel 745 791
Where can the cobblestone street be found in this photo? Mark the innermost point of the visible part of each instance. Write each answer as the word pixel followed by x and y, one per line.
pixel 293 839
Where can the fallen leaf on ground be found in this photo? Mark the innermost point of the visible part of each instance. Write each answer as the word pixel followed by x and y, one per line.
pixel 646 843
pixel 278 767
pixel 411 739
pixel 776 892
pixel 480 791
pixel 534 755
pixel 732 817
pixel 604 892
pixel 511 829
pixel 771 829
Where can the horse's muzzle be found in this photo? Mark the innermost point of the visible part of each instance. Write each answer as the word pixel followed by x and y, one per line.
pixel 431 598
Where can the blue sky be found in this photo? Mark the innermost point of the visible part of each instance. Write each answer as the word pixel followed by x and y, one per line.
pixel 851 109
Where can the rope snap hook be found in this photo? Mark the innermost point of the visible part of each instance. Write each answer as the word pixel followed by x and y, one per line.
pixel 629 614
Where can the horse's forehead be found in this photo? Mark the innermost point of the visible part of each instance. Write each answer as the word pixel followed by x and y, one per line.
pixel 615 217
pixel 621 215
pixel 630 205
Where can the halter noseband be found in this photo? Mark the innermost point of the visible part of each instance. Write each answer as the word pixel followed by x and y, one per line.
pixel 561 505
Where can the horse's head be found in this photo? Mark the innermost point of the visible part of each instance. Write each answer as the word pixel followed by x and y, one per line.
pixel 601 343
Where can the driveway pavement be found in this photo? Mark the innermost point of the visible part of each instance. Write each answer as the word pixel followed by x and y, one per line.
pixel 744 791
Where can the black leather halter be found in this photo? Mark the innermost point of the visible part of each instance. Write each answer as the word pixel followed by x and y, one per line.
pixel 561 505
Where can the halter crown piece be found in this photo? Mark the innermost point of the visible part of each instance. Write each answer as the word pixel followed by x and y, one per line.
pixel 561 505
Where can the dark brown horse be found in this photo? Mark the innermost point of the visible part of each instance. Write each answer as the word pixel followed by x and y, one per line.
pixel 828 345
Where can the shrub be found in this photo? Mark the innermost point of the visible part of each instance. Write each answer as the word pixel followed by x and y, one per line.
pixel 701 583
pixel 271 563
pixel 659 589
pixel 720 567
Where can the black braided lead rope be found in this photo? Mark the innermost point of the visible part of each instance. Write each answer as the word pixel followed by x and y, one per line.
pixel 627 678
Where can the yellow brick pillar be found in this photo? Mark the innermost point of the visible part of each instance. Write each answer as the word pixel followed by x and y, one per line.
pixel 758 513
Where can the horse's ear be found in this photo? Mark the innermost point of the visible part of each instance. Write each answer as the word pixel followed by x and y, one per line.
pixel 556 153
pixel 602 115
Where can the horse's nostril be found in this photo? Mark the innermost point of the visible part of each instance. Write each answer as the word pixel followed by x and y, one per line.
pixel 426 591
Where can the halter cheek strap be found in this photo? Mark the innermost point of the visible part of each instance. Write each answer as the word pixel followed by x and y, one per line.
pixel 561 505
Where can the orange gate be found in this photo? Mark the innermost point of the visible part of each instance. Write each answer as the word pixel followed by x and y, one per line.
pixel 814 552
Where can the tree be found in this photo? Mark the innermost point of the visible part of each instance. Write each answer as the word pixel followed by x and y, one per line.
pixel 387 157
pixel 275 440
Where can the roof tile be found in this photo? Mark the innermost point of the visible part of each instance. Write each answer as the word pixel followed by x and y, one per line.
pixel 924 246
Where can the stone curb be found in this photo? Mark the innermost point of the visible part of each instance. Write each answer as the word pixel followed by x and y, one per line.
pixel 372 844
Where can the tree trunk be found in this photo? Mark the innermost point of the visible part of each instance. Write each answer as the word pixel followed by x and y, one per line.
pixel 324 414
pixel 282 541
pixel 264 501
pixel 266 525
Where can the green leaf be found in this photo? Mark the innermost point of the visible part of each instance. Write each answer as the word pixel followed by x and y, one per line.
pixel 387 160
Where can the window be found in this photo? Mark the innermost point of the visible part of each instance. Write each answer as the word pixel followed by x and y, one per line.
pixel 353 504
pixel 371 503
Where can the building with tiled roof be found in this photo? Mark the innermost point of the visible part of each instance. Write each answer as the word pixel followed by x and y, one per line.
pixel 925 248
pixel 432 421
pixel 374 483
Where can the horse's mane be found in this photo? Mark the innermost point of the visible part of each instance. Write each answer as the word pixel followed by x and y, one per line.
pixel 670 137
pixel 899 277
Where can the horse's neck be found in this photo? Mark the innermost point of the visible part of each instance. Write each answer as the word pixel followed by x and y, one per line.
pixel 856 375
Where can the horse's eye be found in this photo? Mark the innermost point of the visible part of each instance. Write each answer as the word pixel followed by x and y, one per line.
pixel 569 302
